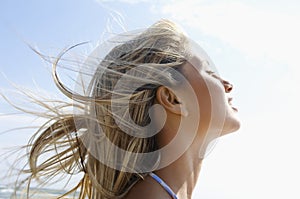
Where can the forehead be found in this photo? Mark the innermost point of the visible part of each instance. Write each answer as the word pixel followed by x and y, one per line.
pixel 200 64
pixel 199 58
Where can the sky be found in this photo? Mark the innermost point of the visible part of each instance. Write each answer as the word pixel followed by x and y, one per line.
pixel 254 44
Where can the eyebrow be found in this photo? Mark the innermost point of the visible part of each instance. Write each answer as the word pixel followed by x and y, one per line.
pixel 205 66
pixel 203 62
pixel 199 63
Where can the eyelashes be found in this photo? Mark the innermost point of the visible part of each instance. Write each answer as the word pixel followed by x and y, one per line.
pixel 213 74
pixel 210 72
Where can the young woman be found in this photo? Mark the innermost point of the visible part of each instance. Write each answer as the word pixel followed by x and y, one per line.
pixel 142 125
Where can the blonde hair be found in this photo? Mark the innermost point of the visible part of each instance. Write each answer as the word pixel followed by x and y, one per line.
pixel 64 137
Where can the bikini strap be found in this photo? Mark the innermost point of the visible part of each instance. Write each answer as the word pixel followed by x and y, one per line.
pixel 164 185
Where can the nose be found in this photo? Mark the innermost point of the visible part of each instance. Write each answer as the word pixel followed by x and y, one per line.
pixel 227 85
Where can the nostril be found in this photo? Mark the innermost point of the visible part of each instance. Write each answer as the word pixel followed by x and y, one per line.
pixel 228 87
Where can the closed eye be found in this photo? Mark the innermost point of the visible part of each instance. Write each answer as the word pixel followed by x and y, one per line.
pixel 210 72
pixel 213 74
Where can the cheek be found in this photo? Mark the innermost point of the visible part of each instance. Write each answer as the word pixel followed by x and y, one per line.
pixel 204 100
pixel 216 107
pixel 216 93
pixel 210 97
pixel 202 92
pixel 212 90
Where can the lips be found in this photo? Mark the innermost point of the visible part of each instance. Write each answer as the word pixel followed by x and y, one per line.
pixel 235 109
pixel 229 100
pixel 230 104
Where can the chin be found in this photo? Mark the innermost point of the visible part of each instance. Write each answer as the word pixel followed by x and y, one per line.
pixel 231 123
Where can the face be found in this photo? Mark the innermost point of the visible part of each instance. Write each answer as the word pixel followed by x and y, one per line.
pixel 217 114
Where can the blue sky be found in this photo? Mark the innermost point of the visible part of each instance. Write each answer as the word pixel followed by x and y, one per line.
pixel 253 44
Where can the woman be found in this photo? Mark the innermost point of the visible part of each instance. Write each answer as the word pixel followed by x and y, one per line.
pixel 142 125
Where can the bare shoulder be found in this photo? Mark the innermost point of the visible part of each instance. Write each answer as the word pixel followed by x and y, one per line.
pixel 147 189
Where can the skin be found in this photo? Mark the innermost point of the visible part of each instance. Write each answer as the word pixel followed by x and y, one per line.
pixel 213 101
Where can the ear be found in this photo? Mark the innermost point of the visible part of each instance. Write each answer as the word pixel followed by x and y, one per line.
pixel 170 102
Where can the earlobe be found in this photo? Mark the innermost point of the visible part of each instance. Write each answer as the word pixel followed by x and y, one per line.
pixel 170 102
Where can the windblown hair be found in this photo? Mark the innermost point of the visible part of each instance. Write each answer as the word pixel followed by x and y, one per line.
pixel 74 143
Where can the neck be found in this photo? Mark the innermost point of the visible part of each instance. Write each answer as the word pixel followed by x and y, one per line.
pixel 181 176
pixel 186 170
